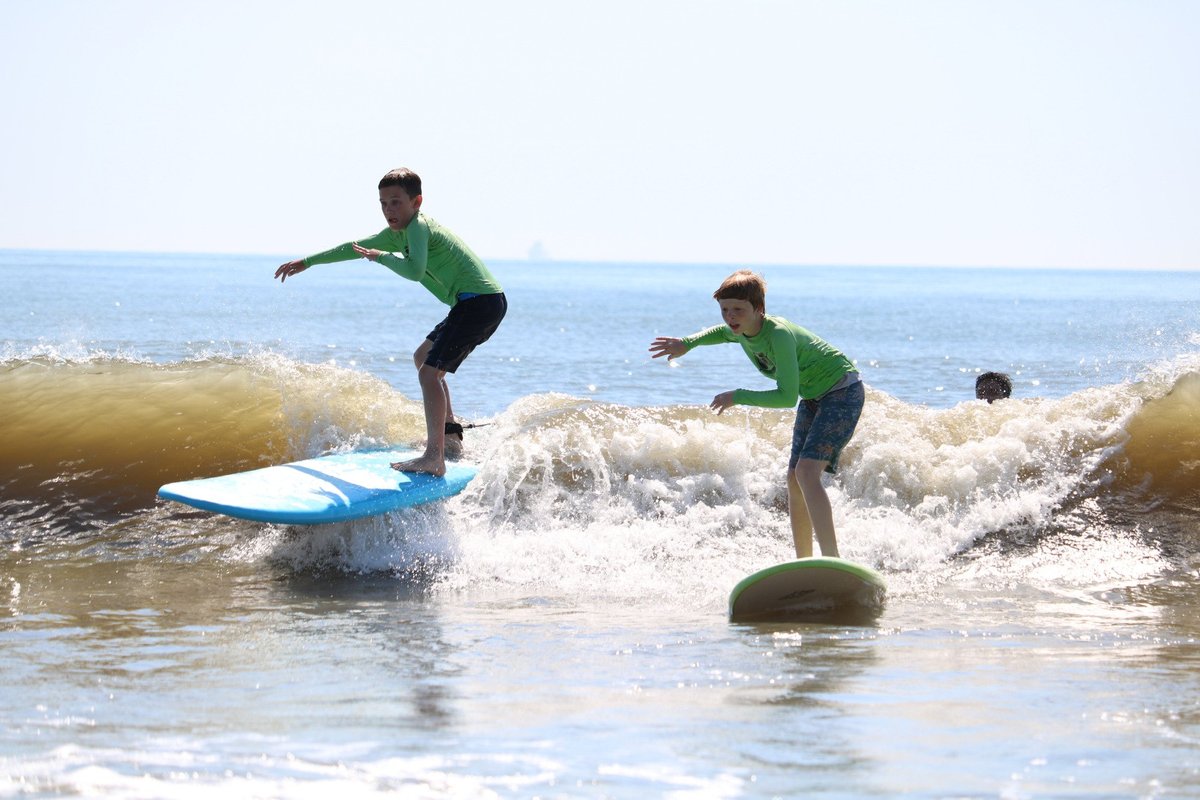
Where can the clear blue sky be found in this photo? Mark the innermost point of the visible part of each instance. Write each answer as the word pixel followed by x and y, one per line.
pixel 1014 133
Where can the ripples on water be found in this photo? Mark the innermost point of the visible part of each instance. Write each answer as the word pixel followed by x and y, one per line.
pixel 558 630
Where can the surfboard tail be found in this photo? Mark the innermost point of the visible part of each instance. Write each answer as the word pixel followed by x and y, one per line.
pixel 809 588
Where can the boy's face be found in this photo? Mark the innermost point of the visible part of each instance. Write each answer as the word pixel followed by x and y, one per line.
pixel 398 208
pixel 741 317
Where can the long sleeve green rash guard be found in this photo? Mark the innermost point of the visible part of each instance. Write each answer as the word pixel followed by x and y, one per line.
pixel 426 252
pixel 801 363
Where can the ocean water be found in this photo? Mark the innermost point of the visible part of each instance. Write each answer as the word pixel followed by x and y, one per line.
pixel 559 629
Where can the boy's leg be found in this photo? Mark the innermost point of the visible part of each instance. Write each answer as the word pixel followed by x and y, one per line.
pixel 798 512
pixel 433 460
pixel 802 532
pixel 436 399
pixel 816 502
pixel 822 429
pixel 453 447
pixel 471 322
pixel 453 443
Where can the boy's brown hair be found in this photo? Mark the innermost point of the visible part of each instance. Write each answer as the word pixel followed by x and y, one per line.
pixel 744 285
pixel 405 178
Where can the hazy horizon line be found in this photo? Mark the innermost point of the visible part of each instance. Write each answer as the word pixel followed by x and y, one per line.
pixel 585 261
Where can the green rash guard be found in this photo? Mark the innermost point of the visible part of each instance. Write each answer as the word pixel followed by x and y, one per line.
pixel 426 252
pixel 801 363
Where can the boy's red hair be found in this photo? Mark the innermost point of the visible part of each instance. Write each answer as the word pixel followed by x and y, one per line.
pixel 744 285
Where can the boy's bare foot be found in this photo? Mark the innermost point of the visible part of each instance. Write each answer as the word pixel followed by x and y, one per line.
pixel 430 465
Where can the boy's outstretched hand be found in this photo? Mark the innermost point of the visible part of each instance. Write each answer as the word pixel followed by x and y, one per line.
pixel 372 255
pixel 721 402
pixel 667 346
pixel 289 269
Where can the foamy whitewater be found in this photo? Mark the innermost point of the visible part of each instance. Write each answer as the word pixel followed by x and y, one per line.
pixel 559 629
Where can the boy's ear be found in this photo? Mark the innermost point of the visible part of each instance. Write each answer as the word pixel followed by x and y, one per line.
pixel 417 201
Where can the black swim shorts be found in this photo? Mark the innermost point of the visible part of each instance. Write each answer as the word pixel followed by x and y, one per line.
pixel 470 323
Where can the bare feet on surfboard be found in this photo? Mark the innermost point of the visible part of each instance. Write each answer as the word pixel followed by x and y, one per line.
pixel 428 464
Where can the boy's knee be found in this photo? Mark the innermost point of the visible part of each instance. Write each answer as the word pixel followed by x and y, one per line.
pixel 421 353
pixel 808 469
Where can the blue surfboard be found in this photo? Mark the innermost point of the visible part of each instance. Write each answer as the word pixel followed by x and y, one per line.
pixel 808 589
pixel 332 488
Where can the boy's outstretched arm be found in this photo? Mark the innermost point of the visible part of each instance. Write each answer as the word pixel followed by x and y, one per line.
pixel 667 346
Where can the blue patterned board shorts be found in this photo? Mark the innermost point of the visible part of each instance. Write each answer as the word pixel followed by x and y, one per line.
pixel 824 426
